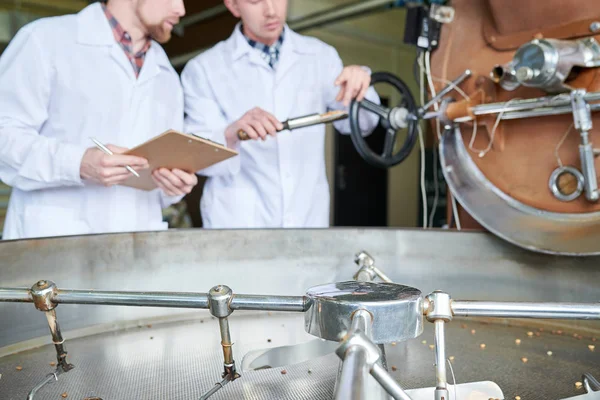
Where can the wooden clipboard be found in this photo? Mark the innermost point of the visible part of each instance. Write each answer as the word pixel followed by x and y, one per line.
pixel 174 149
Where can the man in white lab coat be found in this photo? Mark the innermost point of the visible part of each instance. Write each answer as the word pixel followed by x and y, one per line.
pixel 100 73
pixel 264 74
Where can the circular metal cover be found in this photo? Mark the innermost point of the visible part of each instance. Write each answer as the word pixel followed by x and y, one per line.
pixel 397 310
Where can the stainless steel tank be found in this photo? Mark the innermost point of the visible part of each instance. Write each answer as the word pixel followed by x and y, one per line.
pixel 168 353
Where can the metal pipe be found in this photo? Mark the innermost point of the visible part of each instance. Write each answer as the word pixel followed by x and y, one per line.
pixel 389 384
pixel 365 275
pixel 337 14
pixel 57 339
pixel 140 299
pixel 446 90
pixel 226 344
pixel 269 303
pixel 16 295
pixel 48 379
pixel 160 299
pixel 216 388
pixel 381 275
pixel 539 112
pixel 529 104
pixel 361 320
pixel 441 390
pixel 353 378
pixel 526 310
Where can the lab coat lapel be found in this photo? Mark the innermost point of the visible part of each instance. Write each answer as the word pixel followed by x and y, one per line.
pixel 93 29
pixel 119 57
pixel 152 64
pixel 287 58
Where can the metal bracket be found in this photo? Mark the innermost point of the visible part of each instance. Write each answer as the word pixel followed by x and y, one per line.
pixel 219 301
pixel 582 119
pixel 43 293
pixel 368 271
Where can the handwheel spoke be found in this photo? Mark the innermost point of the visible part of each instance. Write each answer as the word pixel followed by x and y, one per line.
pixel 382 111
pixel 390 141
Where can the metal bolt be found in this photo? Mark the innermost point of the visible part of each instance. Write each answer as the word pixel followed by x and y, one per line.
pixel 218 288
pixel 42 283
pixel 595 26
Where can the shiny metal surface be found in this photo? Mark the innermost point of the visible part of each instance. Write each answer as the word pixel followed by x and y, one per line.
pixel 397 310
pixel 505 76
pixel 511 220
pixel 526 310
pixel 546 63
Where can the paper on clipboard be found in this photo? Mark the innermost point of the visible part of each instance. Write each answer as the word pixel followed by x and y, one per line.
pixel 174 149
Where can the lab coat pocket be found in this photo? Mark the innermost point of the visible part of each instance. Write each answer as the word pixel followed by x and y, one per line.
pixel 230 208
pixel 47 221
pixel 308 101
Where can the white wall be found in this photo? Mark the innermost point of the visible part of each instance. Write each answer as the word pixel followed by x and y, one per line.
pixel 375 41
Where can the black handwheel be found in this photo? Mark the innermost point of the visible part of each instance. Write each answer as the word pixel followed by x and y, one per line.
pixel 393 120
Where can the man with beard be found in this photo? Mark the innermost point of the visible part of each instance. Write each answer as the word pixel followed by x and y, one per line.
pixel 263 74
pixel 98 74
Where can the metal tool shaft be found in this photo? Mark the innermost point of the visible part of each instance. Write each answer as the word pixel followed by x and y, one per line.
pixel 305 121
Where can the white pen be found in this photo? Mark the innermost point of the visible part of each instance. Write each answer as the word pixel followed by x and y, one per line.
pixel 107 151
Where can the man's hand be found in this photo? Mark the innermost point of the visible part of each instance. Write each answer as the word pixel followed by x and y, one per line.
pixel 354 82
pixel 175 182
pixel 109 170
pixel 257 123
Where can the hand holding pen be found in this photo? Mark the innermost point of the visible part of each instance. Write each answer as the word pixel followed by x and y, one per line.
pixel 106 165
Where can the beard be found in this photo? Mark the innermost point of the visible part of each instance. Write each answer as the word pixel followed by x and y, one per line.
pixel 159 33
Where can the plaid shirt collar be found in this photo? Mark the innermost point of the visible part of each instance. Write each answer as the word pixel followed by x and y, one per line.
pixel 269 53
pixel 124 40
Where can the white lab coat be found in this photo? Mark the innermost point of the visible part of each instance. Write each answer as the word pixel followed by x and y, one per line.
pixel 282 181
pixel 62 81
